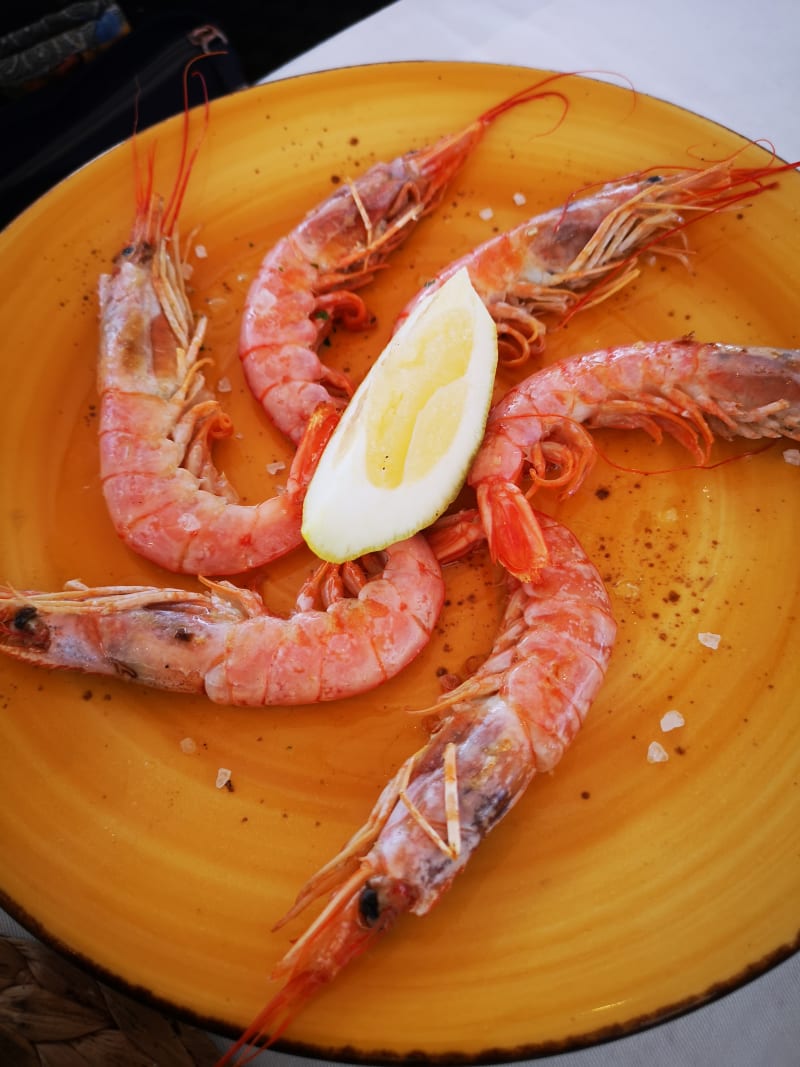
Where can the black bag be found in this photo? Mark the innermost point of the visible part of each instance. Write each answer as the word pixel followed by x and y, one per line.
pixel 50 130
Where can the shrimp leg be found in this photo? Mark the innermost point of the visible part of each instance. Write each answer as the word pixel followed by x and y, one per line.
pixel 513 719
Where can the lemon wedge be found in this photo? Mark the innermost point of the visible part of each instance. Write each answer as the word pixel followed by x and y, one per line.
pixel 403 447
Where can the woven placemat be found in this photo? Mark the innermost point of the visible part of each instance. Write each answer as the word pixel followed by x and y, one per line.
pixel 52 1014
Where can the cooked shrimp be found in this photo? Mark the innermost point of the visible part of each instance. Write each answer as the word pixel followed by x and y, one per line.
pixel 224 643
pixel 308 279
pixel 689 390
pixel 577 255
pixel 513 719
pixel 158 420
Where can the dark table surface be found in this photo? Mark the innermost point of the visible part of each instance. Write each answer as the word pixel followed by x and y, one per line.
pixel 95 100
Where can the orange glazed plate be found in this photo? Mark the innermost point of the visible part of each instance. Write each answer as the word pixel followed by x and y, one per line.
pixel 618 892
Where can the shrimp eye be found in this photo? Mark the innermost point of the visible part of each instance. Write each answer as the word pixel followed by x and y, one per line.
pixel 24 617
pixel 25 629
pixel 653 178
pixel 140 252
pixel 369 905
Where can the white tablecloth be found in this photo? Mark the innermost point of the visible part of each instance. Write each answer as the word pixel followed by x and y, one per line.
pixel 735 61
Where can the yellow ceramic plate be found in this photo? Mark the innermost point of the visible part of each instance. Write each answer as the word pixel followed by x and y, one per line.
pixel 618 892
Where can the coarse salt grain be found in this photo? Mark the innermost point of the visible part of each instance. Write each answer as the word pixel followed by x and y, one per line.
pixel 627 590
pixel 792 456
pixel 709 640
pixel 188 746
pixel 189 523
pixel 519 199
pixel 224 385
pixel 278 465
pixel 672 720
pixel 200 251
pixel 223 777
pixel 656 753
pixel 486 213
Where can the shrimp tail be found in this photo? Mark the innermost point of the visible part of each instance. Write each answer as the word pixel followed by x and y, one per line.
pixel 315 437
pixel 453 536
pixel 512 531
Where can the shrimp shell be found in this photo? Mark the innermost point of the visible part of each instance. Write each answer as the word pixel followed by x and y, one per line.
pixel 512 720
pixel 690 390
pixel 159 420
pixel 225 644
pixel 308 279
pixel 573 257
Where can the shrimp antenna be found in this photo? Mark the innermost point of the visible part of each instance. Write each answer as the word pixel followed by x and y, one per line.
pixel 530 92
pixel 681 468
pixel 187 158
pixel 303 980
pixel 535 92
pixel 153 216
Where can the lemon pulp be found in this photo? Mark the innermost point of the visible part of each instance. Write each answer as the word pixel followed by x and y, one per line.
pixel 404 444
pixel 414 406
